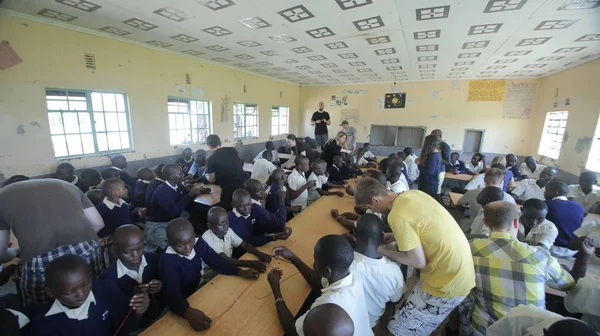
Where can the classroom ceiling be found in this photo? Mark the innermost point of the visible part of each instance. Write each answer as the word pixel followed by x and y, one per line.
pixel 332 42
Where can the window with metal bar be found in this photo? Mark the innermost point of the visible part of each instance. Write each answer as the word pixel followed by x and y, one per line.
pixel 553 133
pixel 245 121
pixel 189 121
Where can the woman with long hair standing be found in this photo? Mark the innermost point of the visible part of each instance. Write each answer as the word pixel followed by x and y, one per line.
pixel 334 147
pixel 430 165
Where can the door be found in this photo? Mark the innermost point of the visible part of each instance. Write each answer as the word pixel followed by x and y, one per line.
pixel 473 141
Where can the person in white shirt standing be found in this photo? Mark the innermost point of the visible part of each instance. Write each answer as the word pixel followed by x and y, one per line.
pixel 586 193
pixel 530 169
pixel 412 169
pixel 263 168
pixel 537 229
pixel 530 188
pixel 381 277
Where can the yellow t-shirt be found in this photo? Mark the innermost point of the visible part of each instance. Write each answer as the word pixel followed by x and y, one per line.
pixel 417 219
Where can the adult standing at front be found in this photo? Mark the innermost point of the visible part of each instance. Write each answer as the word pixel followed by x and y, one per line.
pixel 445 153
pixel 447 273
pixel 335 147
pixel 224 168
pixel 351 134
pixel 320 119
pixel 50 218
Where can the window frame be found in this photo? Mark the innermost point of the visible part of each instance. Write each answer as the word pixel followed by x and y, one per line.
pixel 389 132
pixel 245 127
pixel 279 125
pixel 544 148
pixel 593 160
pixel 189 114
pixel 90 111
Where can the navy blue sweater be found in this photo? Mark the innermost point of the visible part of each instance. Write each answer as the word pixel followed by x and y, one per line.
pixel 150 191
pixel 139 193
pixel 252 230
pixel 567 216
pixel 336 175
pixel 118 216
pixel 181 276
pixel 428 177
pixel 167 204
pixel 516 173
pixel 130 181
pixel 272 201
pixel 104 317
pixel 459 166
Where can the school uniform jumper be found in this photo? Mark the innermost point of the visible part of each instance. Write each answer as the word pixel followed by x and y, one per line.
pixel 115 215
pixel 252 228
pixel 139 193
pixel 429 174
pixel 567 216
pixel 151 189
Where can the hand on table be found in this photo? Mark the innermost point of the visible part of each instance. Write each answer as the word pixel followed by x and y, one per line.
pixel 339 193
pixel 361 209
pixel 349 215
pixel 335 213
pixel 287 232
pixel 197 319
pixel 274 278
pixel 282 251
pixel 249 273
pixel 257 265
pixel 263 257
pixel 349 190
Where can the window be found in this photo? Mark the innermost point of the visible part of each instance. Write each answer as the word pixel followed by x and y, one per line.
pixel 88 122
pixel 279 120
pixel 398 136
pixel 189 121
pixel 552 135
pixel 593 162
pixel 245 121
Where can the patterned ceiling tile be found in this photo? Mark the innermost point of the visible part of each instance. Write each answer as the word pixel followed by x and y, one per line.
pixel 533 41
pixel 264 63
pixel 245 56
pixel 378 39
pixel 159 44
pixel 329 65
pixel 522 71
pixel 569 50
pixel 534 66
pixel 588 57
pixel 280 69
pixel 550 58
pixel 555 24
pixel 385 51
pixel 193 52
pixel 431 13
pixel 184 38
pixel 56 15
pixel 242 65
pixel 220 59
pixel 216 4
pixel 390 61
pixel 503 5
pixel 217 31
pixel 317 58
pixel 518 53
pixel 347 75
pixel 114 31
pixel 355 64
pixel 140 24
pixel 296 13
pixel 80 4
pixel 429 47
pixel 339 70
pixel 348 55
pixel 489 72
pixel 426 66
pixel 427 34
pixel 393 68
pixel 483 76
pixel 303 67
pixel 460 69
pixel 282 38
pixel 469 55
pixel 249 43
pixel 579 4
pixel 173 14
pixel 363 70
pixel 349 4
pixel 320 32
pixel 506 61
pixel 369 23
pixel 315 72
pixel 476 44
pixel 456 73
pixel 496 67
pixel 589 37
pixel 259 70
pixel 255 23
pixel 301 50
pixel 336 45
pixel 217 48
pixel 270 53
pixel 291 61
pixel 427 58
pixel 485 29
pixel 461 63
pixel 293 73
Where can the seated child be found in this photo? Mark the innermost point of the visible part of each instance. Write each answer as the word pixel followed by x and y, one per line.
pixel 158 180
pixel 197 171
pixel 181 270
pixel 586 193
pixel 530 169
pixel 336 176
pixel 114 210
pixel 263 168
pixel 537 229
pixel 566 215
pixel 66 172
pixel 362 162
pixel 412 168
pixel 401 158
pixel 369 156
pixel 257 192
pixel 112 173
pixel 91 179
pixel 95 196
pixel 269 147
pixel 328 320
pixel 397 180
pixel 252 222
pixel 15 323
pixel 186 160
pixel 322 185
pixel 298 184
pixel 476 165
pixel 135 271
pixel 455 166
pixel 486 196
pixel 349 169
pixel 331 276
pixel 119 162
pixel 145 176
pixel 511 164
pixel 277 185
pixel 82 306
pixel 379 176
pixel 383 165
pixel 222 240
pixel 530 188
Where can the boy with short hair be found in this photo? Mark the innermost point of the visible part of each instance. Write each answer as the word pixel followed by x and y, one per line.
pixel 273 193
pixel 269 147
pixel 476 165
pixel 328 320
pixel 331 276
pixel 349 169
pixel 322 184
pixel 158 180
pixel 566 215
pixel 511 164
pixel 91 179
pixel 145 175
pixel 198 169
pixel 263 168
pixel 252 222
pixel 136 271
pixel 256 191
pixel 114 210
pixel 112 173
pixel 455 166
pixel 298 184
pixel 412 169
pixel 530 188
pixel 66 172
pixel 119 162
pixel 186 160
pixel 361 161
pixel 369 156
pixel 530 169
pixel 537 229
pixel 586 193
pixel 82 306
pixel 335 174
pixel 396 179
pixel 486 196
pixel 181 268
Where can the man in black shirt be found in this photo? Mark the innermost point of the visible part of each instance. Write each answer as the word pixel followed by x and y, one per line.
pixel 320 119
pixel 224 168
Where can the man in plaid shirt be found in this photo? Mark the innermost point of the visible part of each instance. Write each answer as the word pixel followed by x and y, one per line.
pixel 507 272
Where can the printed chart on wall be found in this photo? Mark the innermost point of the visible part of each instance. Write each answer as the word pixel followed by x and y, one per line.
pixel 486 90
pixel 518 103
pixel 337 101
pixel 395 100
pixel 350 115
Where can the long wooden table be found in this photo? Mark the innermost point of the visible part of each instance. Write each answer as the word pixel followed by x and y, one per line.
pixel 460 177
pixel 245 307
pixel 212 198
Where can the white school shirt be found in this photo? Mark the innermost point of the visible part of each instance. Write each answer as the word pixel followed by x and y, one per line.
pixel 274 157
pixel 347 293
pixel 524 170
pixel 362 161
pixel 587 201
pixel 295 181
pixel 136 275
pixel 524 320
pixel 545 233
pixel 476 183
pixel 369 155
pixel 80 313
pixel 412 169
pixel 585 299
pixel 400 186
pixel 225 245
pixel 313 194
pixel 474 169
pixel 527 189
pixel 190 256
pixel 262 170
pixel 470 199
pixel 110 205
pixel 589 228
pixel 382 282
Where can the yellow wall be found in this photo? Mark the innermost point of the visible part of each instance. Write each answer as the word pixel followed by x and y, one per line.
pixel 53 57
pixel 449 112
pixel 580 85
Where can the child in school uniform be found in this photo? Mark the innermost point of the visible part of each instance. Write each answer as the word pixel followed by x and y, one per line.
pixel 331 276
pixel 397 181
pixel 534 188
pixel 361 161
pixel 112 173
pixel 114 210
pixel 327 320
pixel 66 172
pixel 476 165
pixel 180 269
pixel 252 222
pixel 136 271
pixel 145 176
pixel 349 169
pixel 198 169
pixel 369 156
pixel 455 166
pixel 277 183
pixel 322 184
pixel 263 168
pixel 257 192
pixel 412 169
pixel 538 231
pixel 530 169
pixel 186 160
pixel 586 193
pixel 82 306
pixel 119 162
pixel 91 179
pixel 298 184
pixel 486 196
pixel 336 176
pixel 269 147
pixel 566 215
pixel 95 196
pixel 158 180
pixel 511 164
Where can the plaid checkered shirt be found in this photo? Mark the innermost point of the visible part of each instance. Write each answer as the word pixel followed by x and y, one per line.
pixel 508 273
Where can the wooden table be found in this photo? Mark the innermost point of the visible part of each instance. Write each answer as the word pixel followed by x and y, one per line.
pixel 460 177
pixel 210 199
pixel 245 307
pixel 455 197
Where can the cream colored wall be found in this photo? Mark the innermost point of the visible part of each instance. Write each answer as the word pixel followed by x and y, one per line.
pixel 449 112
pixel 580 85
pixel 53 57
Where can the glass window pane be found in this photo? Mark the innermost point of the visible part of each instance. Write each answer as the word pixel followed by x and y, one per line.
pixel 71 123
pixel 85 124
pixel 180 122
pixel 186 121
pixel 102 142
pixel 108 99
pixel 274 130
pixel 173 137
pixel 114 141
pixel 202 134
pixel 77 105
pixel 122 121
pixel 97 101
pixel 88 143
pixel 125 140
pixel 56 125
pixel 172 107
pixel 56 94
pixel 194 119
pixel 60 145
pixel 57 105
pixel 195 136
pixel 77 95
pixel 112 123
pixel 74 144
pixel 120 102
pixel 172 121
pixel 99 122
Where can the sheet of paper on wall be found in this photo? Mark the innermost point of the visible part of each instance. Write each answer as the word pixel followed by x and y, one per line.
pixel 486 90
pixel 180 89
pixel 8 57
pixel 380 103
pixel 197 92
pixel 334 101
pixel 396 89
pixel 455 85
pixel 350 115
pixel 410 101
pixel 360 91
pixel 519 99
pixel 434 94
